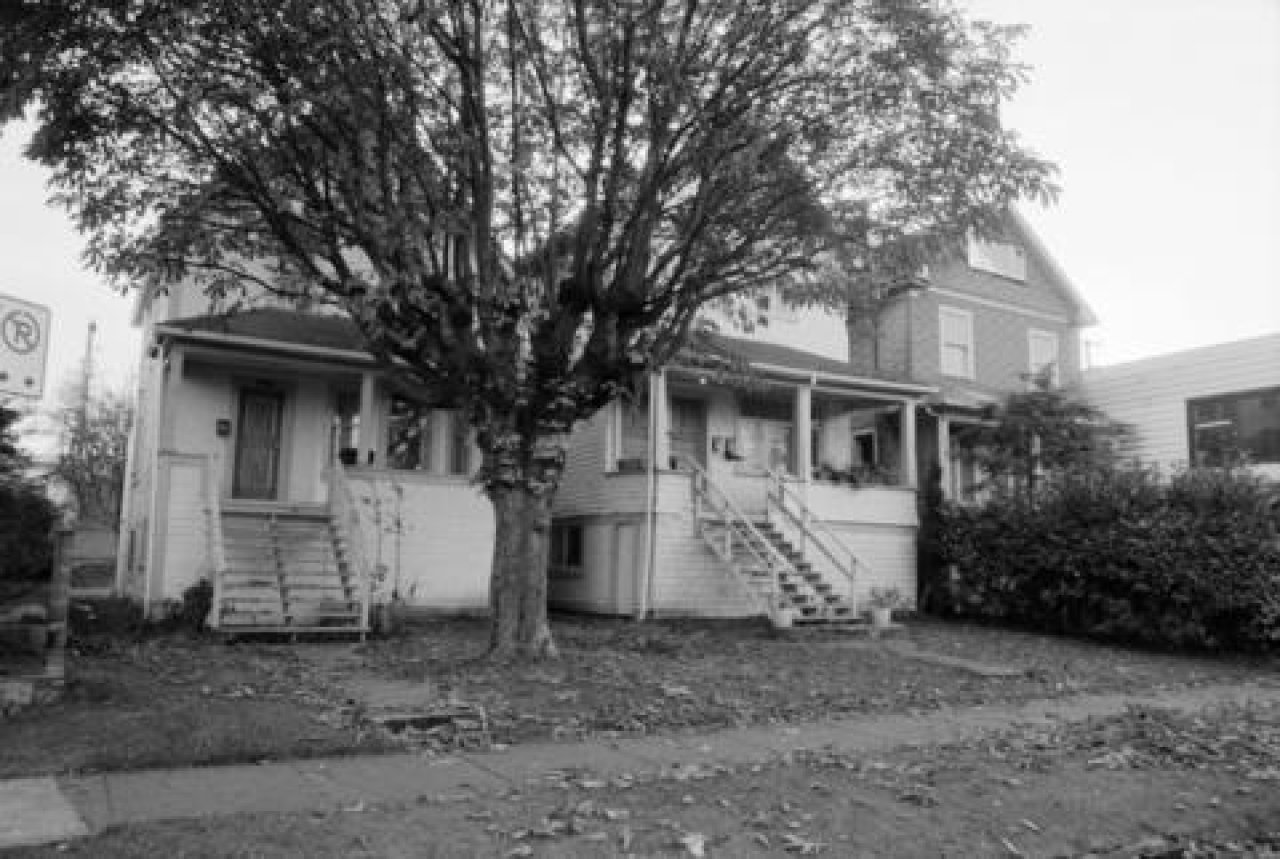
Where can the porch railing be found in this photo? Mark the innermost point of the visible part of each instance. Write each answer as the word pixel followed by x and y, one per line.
pixel 739 533
pixel 345 515
pixel 779 499
pixel 217 549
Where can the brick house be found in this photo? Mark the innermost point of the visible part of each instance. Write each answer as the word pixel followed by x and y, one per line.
pixel 974 326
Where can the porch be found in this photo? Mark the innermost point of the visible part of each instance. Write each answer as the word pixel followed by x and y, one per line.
pixel 700 497
pixel 271 472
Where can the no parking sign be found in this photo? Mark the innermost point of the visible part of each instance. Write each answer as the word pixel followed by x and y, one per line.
pixel 24 346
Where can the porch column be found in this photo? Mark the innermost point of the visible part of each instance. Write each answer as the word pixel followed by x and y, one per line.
pixel 175 367
pixel 369 447
pixel 944 454
pixel 803 441
pixel 659 420
pixel 907 443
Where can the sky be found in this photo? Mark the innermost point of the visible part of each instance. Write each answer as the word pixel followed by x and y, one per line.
pixel 1162 115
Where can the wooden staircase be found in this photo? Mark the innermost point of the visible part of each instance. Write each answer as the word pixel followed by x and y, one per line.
pixel 776 573
pixel 286 570
pixel 809 593
pixel 786 587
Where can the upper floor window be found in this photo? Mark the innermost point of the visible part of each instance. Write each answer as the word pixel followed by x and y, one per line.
pixel 772 307
pixel 1042 347
pixel 1002 258
pixel 1232 427
pixel 956 337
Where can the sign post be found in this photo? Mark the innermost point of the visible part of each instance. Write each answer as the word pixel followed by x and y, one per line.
pixel 24 347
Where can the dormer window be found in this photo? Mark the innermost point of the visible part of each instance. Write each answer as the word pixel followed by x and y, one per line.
pixel 1001 258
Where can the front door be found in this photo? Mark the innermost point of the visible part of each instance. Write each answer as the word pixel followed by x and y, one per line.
pixel 257 472
pixel 688 431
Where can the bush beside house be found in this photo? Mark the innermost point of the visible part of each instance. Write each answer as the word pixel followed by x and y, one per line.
pixel 1121 554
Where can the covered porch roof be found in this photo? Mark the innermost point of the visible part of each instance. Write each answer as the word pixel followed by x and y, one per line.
pixel 760 362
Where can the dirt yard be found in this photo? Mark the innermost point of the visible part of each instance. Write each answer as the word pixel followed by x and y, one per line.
pixel 175 701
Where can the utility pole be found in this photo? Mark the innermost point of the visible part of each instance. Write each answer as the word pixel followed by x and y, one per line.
pixel 86 382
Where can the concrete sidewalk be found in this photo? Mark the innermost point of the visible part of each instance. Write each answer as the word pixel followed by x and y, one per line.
pixel 36 811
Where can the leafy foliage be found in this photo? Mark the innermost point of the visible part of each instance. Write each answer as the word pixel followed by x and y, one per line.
pixel 27 516
pixel 1042 432
pixel 95 445
pixel 1191 562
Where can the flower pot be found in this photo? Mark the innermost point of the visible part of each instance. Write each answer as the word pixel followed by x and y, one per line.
pixel 881 618
pixel 784 618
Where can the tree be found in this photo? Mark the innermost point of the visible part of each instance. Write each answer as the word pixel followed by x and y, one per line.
pixel 95 447
pixel 1041 432
pixel 523 204
pixel 27 516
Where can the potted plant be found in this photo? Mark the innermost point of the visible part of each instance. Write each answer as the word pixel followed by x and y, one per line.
pixel 783 615
pixel 882 602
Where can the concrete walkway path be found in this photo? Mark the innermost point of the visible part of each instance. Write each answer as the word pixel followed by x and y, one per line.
pixel 36 811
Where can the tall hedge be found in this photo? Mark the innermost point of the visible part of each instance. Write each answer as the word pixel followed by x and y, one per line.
pixel 1121 554
pixel 27 516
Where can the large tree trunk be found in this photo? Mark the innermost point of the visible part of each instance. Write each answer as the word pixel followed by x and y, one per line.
pixel 518 585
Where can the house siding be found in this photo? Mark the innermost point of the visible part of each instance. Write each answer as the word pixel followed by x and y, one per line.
pixel 1151 394
pixel 183 528
pixel 429 538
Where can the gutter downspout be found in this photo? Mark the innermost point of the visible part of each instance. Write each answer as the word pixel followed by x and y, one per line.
pixel 650 498
pixel 158 377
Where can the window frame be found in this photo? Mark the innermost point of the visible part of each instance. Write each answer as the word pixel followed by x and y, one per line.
pixel 966 317
pixel 1231 417
pixel 1055 373
pixel 1000 258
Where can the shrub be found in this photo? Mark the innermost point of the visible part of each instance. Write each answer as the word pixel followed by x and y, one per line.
pixel 197 600
pixel 99 622
pixel 1120 554
pixel 27 519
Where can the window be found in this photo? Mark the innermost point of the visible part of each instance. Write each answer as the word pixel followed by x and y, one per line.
pixel 632 445
pixel 771 307
pixel 459 444
pixel 1042 346
pixel 1232 427
pixel 956 328
pixel 566 556
pixel 409 435
pixel 764 432
pixel 1002 258
pixel 864 448
pixel 425 438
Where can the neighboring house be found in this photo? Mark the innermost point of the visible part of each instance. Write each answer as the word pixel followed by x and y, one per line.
pixel 271 456
pixel 234 466
pixel 976 326
pixel 1212 406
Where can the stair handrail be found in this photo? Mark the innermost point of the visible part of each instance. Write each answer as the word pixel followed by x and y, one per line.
pixel 345 513
pixel 812 527
pixel 729 512
pixel 217 548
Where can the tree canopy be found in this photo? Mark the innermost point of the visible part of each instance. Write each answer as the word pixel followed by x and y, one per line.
pixel 524 203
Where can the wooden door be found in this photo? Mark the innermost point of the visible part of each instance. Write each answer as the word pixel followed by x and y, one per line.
pixel 689 430
pixel 257 473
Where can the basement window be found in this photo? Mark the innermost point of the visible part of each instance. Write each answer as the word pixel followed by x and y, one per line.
pixel 566 557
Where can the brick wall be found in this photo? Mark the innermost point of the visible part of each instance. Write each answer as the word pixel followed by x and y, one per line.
pixel 906 343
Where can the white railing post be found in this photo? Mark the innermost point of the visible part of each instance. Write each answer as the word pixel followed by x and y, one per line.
pixel 346 516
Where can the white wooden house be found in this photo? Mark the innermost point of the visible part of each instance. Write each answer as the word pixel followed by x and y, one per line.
pixel 271 458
